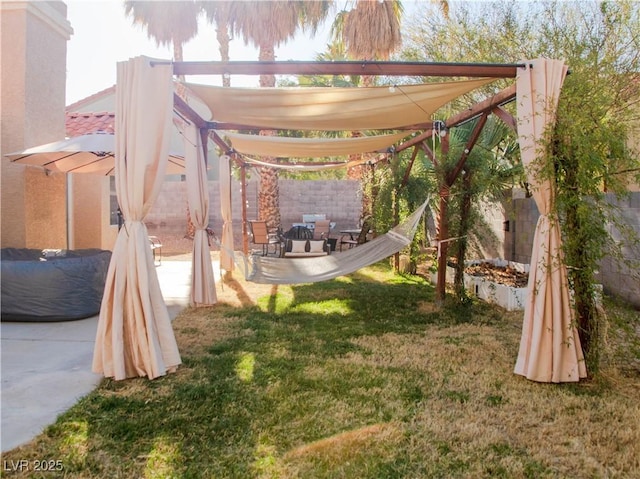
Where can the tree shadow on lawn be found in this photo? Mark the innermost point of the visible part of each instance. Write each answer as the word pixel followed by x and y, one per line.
pixel 239 405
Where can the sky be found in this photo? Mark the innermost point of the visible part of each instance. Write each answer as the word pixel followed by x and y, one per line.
pixel 103 36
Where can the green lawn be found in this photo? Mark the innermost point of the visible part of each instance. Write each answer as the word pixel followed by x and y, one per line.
pixel 360 377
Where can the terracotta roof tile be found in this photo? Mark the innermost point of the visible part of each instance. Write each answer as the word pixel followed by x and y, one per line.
pixel 77 124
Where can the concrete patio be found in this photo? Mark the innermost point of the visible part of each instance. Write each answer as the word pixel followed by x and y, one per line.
pixel 46 367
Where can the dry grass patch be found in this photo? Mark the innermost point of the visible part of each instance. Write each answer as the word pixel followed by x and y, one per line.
pixel 344 448
pixel 196 329
pixel 427 307
pixel 361 379
pixel 474 418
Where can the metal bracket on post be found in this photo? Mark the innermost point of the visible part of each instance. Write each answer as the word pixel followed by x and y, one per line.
pixel 446 241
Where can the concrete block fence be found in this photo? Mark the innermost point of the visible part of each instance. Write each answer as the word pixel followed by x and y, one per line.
pixel 339 200
pixel 617 278
pixel 621 279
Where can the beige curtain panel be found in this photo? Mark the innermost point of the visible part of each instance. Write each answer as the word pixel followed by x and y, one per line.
pixel 330 109
pixel 203 288
pixel 226 247
pixel 550 349
pixel 283 147
pixel 134 336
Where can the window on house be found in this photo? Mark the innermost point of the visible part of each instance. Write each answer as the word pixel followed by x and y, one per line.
pixel 113 203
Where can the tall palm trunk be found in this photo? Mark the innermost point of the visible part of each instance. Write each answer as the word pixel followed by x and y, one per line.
pixel 222 35
pixel 461 247
pixel 269 195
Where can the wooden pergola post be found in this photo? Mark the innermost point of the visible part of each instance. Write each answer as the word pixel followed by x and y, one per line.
pixel 243 186
pixel 443 229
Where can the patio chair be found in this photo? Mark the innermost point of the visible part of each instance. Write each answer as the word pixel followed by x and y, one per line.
pixel 322 229
pixel 156 244
pixel 349 239
pixel 260 236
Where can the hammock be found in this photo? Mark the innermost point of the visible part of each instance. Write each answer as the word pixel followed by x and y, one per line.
pixel 269 270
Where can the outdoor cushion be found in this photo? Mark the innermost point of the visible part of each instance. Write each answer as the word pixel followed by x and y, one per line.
pixel 298 246
pixel 305 248
pixel 316 246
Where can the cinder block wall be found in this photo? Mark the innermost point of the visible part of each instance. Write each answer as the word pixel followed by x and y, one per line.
pixel 616 277
pixel 169 211
pixel 488 235
pixel 340 200
pixel 523 218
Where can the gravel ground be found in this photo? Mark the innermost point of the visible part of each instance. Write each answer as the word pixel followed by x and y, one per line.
pixel 176 246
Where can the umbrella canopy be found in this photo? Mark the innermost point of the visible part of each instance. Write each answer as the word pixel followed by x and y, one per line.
pixel 92 154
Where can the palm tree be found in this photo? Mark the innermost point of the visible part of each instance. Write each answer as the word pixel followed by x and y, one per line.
pixel 219 13
pixel 169 23
pixel 267 25
pixel 491 168
pixel 371 30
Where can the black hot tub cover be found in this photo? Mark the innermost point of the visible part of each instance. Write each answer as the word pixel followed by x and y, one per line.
pixel 52 285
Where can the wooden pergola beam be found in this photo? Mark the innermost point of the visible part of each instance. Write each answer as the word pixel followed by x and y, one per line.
pixel 189 113
pixel 416 139
pixel 424 69
pixel 497 100
pixel 475 134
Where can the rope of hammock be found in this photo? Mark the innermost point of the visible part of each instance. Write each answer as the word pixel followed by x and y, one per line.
pixel 271 270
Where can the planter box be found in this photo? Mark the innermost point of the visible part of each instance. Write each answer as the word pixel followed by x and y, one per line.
pixel 508 297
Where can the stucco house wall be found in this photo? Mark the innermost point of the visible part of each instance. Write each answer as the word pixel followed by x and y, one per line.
pixel 33 63
pixel 90 212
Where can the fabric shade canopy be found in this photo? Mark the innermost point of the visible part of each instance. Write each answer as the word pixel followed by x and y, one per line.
pixel 91 154
pixel 284 147
pixel 308 166
pixel 330 109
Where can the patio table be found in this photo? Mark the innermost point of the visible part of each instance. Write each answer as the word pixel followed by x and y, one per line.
pixel 353 233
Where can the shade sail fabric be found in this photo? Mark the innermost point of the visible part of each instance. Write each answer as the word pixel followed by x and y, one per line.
pixel 550 349
pixel 330 109
pixel 226 258
pixel 203 289
pixel 284 147
pixel 270 270
pixel 134 336
pixel 307 166
pixel 90 154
